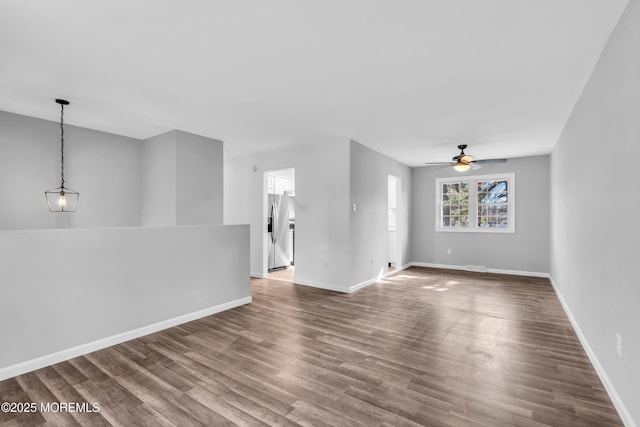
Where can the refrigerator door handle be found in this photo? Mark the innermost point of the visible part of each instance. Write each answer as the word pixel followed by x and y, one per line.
pixel 273 222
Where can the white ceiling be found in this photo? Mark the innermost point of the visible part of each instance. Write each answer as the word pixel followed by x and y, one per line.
pixel 411 79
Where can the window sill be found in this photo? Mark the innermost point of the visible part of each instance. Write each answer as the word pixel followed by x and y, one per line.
pixel 477 230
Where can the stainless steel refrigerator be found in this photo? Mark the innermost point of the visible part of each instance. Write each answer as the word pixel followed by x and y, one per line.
pixel 278 230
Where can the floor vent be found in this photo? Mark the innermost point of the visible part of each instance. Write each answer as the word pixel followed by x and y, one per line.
pixel 477 268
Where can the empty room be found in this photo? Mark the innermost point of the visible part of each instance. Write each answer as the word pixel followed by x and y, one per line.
pixel 319 213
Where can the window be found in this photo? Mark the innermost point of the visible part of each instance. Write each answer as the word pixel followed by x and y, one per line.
pixel 476 204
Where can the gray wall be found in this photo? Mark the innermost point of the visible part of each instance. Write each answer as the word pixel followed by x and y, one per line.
pixel 182 180
pixel 368 225
pixel 526 250
pixel 103 167
pixel 170 179
pixel 92 284
pixel 594 210
pixel 199 174
pixel 159 180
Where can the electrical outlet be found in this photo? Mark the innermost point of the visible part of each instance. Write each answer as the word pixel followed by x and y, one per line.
pixel 326 265
pixel 448 251
pixel 619 344
pixel 371 261
pixel 354 207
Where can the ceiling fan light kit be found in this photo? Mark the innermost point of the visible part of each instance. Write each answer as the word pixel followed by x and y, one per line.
pixel 463 162
pixel 462 166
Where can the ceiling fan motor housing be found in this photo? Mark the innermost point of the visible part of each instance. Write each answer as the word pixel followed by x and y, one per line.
pixel 462 157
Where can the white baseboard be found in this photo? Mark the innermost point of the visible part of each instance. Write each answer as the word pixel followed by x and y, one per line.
pixel 350 289
pixel 377 279
pixel 518 272
pixel 489 270
pixel 433 265
pixel 404 267
pixel 364 284
pixel 320 285
pixel 604 378
pixel 70 353
pixel 257 275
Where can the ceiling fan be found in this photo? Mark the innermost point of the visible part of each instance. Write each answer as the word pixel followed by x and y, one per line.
pixel 463 162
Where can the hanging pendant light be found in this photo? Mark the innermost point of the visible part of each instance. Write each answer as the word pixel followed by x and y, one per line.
pixel 62 199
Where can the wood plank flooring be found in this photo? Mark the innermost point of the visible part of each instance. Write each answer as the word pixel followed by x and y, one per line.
pixel 423 347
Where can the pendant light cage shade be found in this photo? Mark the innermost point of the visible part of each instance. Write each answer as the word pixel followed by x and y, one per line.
pixel 62 199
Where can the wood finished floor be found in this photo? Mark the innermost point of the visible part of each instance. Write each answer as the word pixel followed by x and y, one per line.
pixel 286 274
pixel 423 347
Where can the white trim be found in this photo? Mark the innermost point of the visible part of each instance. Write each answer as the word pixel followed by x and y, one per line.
pixel 489 270
pixel 377 279
pixel 391 273
pixel 320 285
pixel 70 353
pixel 364 284
pixel 350 289
pixel 518 272
pixel 510 177
pixel 433 265
pixel 257 275
pixel 604 378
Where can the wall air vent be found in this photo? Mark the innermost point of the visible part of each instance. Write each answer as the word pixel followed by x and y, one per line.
pixel 477 268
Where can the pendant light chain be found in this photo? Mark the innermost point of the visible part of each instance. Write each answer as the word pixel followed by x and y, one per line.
pixel 62 199
pixel 61 146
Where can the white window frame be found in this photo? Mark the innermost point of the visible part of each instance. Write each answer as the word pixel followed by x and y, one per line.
pixel 473 203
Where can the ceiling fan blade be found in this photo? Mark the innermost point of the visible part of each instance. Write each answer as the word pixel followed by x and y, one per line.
pixel 491 161
pixel 438 164
pixel 462 159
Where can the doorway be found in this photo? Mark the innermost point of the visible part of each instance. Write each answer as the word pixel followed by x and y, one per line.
pixel 394 191
pixel 280 219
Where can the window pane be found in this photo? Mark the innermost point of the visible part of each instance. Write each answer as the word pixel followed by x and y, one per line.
pixel 492 192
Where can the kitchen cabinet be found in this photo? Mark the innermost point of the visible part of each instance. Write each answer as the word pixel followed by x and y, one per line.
pixel 277 185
